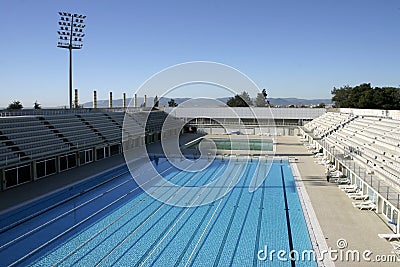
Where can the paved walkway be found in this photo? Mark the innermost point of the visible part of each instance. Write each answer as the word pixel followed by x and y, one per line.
pixel 335 213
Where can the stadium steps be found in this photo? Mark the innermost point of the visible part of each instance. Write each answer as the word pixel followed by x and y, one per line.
pixel 87 123
pixel 119 125
pixel 12 146
pixel 54 130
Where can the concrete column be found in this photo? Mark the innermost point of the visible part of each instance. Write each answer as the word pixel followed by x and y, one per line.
pixel 144 101
pixel 94 99
pixel 76 103
pixel 124 100
pixel 110 101
pixel 58 164
pixel 135 101
pixel 78 158
pixel 34 171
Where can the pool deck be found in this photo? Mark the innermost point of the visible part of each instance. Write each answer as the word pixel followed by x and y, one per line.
pixel 337 217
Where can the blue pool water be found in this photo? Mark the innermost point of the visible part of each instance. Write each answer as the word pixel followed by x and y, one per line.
pixel 117 224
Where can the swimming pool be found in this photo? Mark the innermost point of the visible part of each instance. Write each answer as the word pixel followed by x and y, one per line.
pixel 252 144
pixel 117 224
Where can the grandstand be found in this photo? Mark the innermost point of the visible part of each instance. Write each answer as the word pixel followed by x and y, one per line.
pixel 366 149
pixel 33 146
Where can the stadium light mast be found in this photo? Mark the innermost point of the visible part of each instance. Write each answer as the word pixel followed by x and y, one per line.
pixel 70 37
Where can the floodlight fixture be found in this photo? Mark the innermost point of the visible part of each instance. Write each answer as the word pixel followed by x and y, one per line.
pixel 68 39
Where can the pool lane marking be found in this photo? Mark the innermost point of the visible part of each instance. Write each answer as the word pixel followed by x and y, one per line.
pixel 118 218
pixel 74 226
pixel 260 215
pixel 60 216
pixel 77 207
pixel 292 262
pixel 134 231
pixel 170 227
pixel 142 224
pixel 115 230
pixel 189 242
pixel 216 219
pixel 208 224
pixel 64 201
pixel 193 176
pixel 241 229
pixel 222 245
pixel 228 228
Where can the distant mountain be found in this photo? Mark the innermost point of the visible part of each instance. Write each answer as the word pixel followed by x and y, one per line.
pixel 297 101
pixel 203 102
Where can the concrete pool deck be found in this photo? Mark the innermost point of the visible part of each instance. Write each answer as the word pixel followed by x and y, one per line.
pixel 337 217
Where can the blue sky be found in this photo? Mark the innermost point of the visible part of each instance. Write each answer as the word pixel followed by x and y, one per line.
pixel 298 48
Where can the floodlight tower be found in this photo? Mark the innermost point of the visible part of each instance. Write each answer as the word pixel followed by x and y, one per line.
pixel 70 37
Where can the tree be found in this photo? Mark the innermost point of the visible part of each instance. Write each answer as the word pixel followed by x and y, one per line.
pixel 156 101
pixel 172 103
pixel 236 101
pixel 246 97
pixel 363 96
pixel 242 100
pixel 321 105
pixel 15 105
pixel 260 100
pixel 340 96
pixel 36 105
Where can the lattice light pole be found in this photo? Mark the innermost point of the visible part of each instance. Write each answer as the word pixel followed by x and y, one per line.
pixel 70 37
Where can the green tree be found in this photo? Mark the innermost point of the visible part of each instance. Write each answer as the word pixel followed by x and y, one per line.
pixel 15 105
pixel 363 96
pixel 341 96
pixel 260 100
pixel 246 97
pixel 36 105
pixel 321 105
pixel 236 101
pixel 242 100
pixel 172 103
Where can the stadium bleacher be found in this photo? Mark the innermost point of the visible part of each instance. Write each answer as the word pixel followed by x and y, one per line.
pixel 68 140
pixel 328 122
pixel 373 141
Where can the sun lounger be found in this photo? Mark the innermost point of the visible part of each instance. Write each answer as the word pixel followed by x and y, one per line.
pixel 371 206
pixel 359 197
pixel 359 203
pixel 342 181
pixel 347 186
pixel 391 237
pixel 335 175
pixel 351 190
